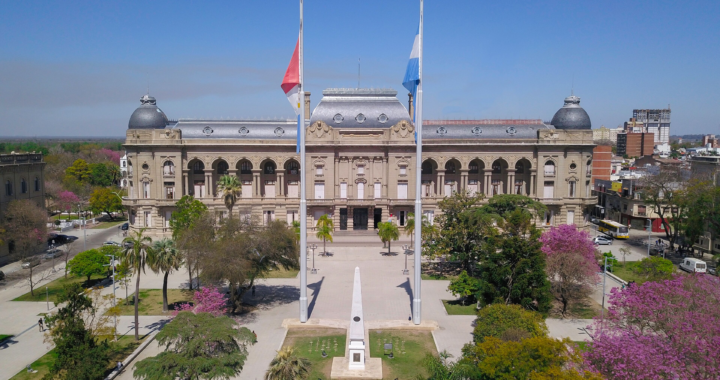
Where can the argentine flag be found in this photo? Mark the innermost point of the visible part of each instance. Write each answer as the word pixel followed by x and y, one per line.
pixel 412 74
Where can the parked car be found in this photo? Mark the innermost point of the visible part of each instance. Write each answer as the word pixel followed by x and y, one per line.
pixel 112 243
pixel 594 220
pixel 125 226
pixel 2 276
pixel 30 262
pixel 602 240
pixel 693 265
pixel 52 253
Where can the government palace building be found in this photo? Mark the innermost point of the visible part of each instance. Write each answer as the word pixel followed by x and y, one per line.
pixel 361 157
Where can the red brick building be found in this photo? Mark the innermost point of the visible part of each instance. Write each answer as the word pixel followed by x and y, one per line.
pixel 602 157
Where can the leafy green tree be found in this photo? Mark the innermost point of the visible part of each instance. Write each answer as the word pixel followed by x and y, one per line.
pixel 287 365
pixel 229 188
pixel 25 225
pixel 388 233
pixel 655 268
pixel 425 230
pixel 135 255
pixel 197 346
pixel 324 228
pixel 103 199
pixel 464 286
pixel 164 257
pixel 296 229
pixel 79 354
pixel 88 263
pixel 508 322
pixel 79 171
pixel 187 211
pixel 100 175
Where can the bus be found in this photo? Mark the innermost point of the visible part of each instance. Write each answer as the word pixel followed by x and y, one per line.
pixel 614 229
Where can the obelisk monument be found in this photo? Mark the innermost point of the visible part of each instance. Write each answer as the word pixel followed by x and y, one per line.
pixel 356 347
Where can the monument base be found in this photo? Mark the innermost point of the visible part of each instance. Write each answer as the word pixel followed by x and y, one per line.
pixel 373 369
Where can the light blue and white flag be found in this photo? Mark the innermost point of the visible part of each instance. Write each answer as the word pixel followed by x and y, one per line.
pixel 412 74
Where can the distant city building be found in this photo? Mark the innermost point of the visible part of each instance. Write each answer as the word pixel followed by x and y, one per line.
pixel 123 171
pixel 635 144
pixel 606 134
pixel 21 176
pixel 710 140
pixel 602 162
pixel 655 121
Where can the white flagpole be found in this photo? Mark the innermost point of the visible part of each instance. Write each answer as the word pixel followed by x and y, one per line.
pixel 418 173
pixel 303 184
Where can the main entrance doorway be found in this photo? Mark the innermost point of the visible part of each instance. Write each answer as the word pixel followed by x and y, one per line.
pixel 343 219
pixel 360 219
pixel 377 217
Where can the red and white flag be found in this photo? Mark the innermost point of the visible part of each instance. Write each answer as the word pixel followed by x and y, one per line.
pixel 291 82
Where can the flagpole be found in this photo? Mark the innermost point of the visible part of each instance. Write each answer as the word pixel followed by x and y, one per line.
pixel 418 174
pixel 303 184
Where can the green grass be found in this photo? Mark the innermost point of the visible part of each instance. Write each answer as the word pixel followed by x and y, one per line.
pixel 65 217
pixel 151 301
pixel 626 272
pixel 583 345
pixel 110 224
pixel 282 273
pixel 310 343
pixel 437 277
pixel 118 352
pixel 3 337
pixel 583 309
pixel 56 287
pixel 410 348
pixel 455 307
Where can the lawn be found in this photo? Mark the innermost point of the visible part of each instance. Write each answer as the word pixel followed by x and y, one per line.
pixel 151 301
pixel 3 337
pixel 626 272
pixel 437 277
pixel 282 273
pixel 118 352
pixel 310 344
pixel 54 288
pixel 455 307
pixel 410 347
pixel 583 345
pixel 583 309
pixel 114 223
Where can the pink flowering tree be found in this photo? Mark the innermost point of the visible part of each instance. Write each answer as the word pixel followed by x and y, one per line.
pixel 570 263
pixel 66 200
pixel 110 155
pixel 206 300
pixel 668 329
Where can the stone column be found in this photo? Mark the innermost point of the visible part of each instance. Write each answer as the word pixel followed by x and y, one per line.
pixel 208 186
pixel 336 179
pixel 386 177
pixel 256 183
pixel 441 183
pixel 280 184
pixel 488 179
pixel 511 181
pixel 533 183
pixel 350 223
pixel 463 180
pixel 186 190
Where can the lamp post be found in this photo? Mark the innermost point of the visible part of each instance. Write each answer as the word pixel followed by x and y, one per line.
pixel 112 264
pixel 52 252
pixel 649 228
pixel 602 308
pixel 405 252
pixel 313 247
pixel 84 229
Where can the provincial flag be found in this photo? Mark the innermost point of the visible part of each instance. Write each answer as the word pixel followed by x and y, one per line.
pixel 412 73
pixel 291 81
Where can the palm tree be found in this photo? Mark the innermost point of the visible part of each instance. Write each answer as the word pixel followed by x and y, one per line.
pixel 288 366
pixel 410 228
pixel 163 257
pixel 388 231
pixel 324 229
pixel 296 229
pixel 135 254
pixel 229 188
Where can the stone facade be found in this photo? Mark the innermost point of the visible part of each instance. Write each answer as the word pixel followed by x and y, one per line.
pixel 360 151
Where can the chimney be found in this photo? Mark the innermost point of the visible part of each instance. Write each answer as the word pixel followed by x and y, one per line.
pixel 307 105
pixel 410 105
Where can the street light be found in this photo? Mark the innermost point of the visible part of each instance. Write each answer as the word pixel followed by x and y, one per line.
pixel 112 264
pixel 405 251
pixel 52 252
pixel 313 247
pixel 84 229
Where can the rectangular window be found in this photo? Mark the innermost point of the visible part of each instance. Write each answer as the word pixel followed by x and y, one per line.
pixel 319 190
pixel 401 219
pixel 472 186
pixel 642 210
pixel 519 187
pixel 37 184
pixel 425 188
pixel 572 189
pixel 549 169
pixel 361 169
pixel 148 219
pixel 269 189
pixel 570 217
pixel 168 217
pixel 291 217
pixel 343 190
pixel 169 190
pixel 587 189
pixel 378 190
pixel 549 190
pixel 403 170
pixel 448 188
pixel 146 190
pixel 247 189
pixel 293 189
pixel 132 190
pixel 360 190
pixel 495 187
pixel 548 217
pixel 269 217
pixel 199 189
pixel 402 190
pixel 318 170
pixel 430 216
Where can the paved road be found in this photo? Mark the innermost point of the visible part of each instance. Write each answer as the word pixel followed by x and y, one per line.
pixel 20 318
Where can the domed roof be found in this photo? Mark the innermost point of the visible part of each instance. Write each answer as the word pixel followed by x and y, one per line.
pixel 148 115
pixel 571 115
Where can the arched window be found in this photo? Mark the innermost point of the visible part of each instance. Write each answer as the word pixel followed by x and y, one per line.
pixel 168 168
pixel 8 188
pixel 519 168
pixel 293 167
pixel 23 186
pixel 427 167
pixel 450 168
pixel 588 168
pixel 198 167
pixel 269 168
pixel 222 167
pixel 496 168
pixel 474 168
pixel 37 184
pixel 549 168
pixel 246 167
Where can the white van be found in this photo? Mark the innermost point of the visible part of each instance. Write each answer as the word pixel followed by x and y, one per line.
pixel 693 265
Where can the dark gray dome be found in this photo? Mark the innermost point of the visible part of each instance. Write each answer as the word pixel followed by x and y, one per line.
pixel 148 115
pixel 571 115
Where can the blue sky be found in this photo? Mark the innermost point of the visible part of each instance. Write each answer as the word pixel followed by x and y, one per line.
pixel 79 68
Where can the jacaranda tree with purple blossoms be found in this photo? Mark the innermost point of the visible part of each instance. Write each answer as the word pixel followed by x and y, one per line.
pixel 668 329
pixel 571 265
pixel 206 300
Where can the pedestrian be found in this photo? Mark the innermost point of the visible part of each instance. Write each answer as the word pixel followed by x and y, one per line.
pixel 255 335
pixel 253 290
pixel 40 325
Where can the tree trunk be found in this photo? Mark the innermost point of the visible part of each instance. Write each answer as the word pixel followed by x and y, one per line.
pixel 190 283
pixel 197 272
pixel 137 294
pixel 165 303
pixel 389 243
pixel 32 287
pixel 324 249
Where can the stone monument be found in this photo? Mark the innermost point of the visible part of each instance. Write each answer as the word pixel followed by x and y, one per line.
pixel 356 346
